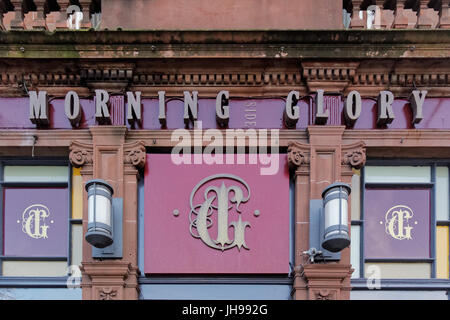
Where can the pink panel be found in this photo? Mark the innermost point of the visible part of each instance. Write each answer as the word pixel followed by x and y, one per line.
pixel 117 110
pixel 334 105
pixel 171 248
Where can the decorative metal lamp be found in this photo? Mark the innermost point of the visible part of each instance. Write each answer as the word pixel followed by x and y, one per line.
pixel 100 216
pixel 335 204
pixel 328 227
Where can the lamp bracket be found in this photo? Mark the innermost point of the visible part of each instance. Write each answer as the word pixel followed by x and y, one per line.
pixel 312 253
pixel 316 233
pixel 114 251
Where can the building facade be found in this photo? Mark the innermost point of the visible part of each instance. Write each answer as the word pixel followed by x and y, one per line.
pixel 218 129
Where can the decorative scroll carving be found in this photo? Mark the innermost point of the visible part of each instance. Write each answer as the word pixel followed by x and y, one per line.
pixel 298 154
pixel 354 155
pixel 80 153
pixel 134 153
pixel 108 293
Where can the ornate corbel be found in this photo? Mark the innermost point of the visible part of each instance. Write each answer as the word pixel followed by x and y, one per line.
pixel 298 154
pixel 81 153
pixel 134 154
pixel 354 155
pixel 110 280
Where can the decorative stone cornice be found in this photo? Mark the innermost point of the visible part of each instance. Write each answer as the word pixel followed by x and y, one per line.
pixel 422 78
pixel 253 79
pixel 217 79
pixel 112 76
pixel 354 155
pixel 329 75
pixel 81 153
pixel 134 154
pixel 298 154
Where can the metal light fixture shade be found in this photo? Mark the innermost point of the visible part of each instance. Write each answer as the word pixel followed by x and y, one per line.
pixel 100 219
pixel 335 204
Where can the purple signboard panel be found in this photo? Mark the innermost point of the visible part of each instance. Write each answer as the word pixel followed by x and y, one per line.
pixel 397 223
pixel 15 114
pixel 244 114
pixel 36 222
pixel 256 113
pixel 436 115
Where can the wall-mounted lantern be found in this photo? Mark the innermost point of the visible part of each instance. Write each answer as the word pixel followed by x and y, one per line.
pixel 328 228
pixel 335 203
pixel 99 231
pixel 104 231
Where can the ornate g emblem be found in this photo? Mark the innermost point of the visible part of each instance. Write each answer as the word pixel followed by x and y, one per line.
pixel 219 198
pixel 33 221
pixel 397 222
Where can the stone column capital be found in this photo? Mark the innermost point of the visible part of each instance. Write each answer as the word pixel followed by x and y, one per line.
pixel 298 154
pixel 81 153
pixel 134 154
pixel 354 155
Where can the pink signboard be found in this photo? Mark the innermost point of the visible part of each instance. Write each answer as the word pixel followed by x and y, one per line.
pixel 215 219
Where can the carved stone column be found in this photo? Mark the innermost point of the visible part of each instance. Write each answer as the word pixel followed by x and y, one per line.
pixel 85 8
pixel 427 17
pixel 110 158
pixel 2 12
pixel 386 16
pixel 39 22
pixel 134 159
pixel 17 22
pixel 357 22
pixel 63 16
pixel 444 16
pixel 321 162
pixel 299 160
pixel 404 18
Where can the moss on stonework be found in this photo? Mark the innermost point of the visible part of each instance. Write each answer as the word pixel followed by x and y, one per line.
pixel 260 44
